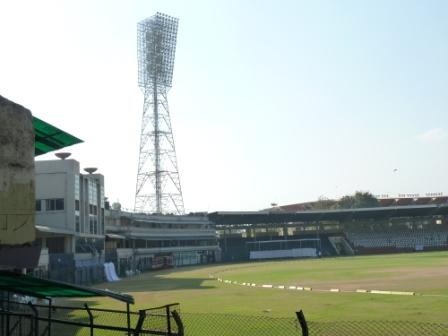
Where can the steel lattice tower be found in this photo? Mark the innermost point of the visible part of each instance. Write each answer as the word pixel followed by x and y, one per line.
pixel 158 187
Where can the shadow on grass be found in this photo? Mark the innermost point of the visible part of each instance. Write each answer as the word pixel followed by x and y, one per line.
pixel 148 282
pixel 78 314
pixel 163 283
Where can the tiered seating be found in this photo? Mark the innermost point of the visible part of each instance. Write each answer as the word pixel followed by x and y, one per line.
pixel 399 239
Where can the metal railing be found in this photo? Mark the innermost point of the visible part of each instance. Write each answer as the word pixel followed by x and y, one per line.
pixel 20 319
pixel 28 319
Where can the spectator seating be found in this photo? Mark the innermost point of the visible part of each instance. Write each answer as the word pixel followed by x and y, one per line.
pixel 417 240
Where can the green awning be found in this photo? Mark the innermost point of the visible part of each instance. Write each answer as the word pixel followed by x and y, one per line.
pixel 41 288
pixel 49 138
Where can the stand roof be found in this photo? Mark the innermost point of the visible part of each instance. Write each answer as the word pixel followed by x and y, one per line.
pixel 40 288
pixel 49 138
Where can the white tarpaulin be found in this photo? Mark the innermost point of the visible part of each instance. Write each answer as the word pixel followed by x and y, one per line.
pixel 109 271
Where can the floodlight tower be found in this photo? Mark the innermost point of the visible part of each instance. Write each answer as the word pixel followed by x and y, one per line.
pixel 158 185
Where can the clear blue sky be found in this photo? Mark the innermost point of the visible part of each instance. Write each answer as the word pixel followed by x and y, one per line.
pixel 272 101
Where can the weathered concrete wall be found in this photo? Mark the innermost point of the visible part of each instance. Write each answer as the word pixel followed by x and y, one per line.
pixel 17 195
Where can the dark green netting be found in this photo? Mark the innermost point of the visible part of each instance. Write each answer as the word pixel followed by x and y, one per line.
pixel 49 138
pixel 41 288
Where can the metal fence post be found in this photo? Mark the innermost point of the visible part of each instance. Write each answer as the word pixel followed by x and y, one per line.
pixel 302 322
pixel 36 319
pixel 128 318
pixel 179 323
pixel 90 318
pixel 2 317
pixel 50 307
pixel 8 316
pixel 168 320
pixel 141 318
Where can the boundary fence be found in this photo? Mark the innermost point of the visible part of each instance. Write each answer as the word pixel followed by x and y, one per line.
pixel 28 319
pixel 370 328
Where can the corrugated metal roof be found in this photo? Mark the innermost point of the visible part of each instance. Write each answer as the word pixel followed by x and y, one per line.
pixel 258 217
pixel 49 138
pixel 27 285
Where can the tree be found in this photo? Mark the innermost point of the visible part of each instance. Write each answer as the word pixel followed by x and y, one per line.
pixel 346 202
pixel 323 203
pixel 359 200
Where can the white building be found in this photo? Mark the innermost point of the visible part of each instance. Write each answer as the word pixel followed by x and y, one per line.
pixel 70 220
pixel 79 232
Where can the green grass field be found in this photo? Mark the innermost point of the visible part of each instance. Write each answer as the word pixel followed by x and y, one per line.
pixel 423 273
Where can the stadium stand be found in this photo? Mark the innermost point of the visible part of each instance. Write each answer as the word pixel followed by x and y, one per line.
pixel 400 239
pixel 237 248
pixel 403 224
pixel 327 248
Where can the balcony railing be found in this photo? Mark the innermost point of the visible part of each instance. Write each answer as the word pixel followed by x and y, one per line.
pixel 175 249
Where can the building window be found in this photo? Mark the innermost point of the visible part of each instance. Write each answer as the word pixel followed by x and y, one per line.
pixel 77 187
pixel 89 245
pixel 77 224
pixel 38 205
pixel 101 229
pixel 77 205
pixel 54 204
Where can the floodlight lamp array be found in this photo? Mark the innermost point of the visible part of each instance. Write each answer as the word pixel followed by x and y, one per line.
pixel 157 37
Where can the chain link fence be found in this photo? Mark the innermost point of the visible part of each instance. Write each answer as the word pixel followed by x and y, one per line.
pixel 30 319
pixel 160 319
pixel 20 319
pixel 376 328
pixel 103 320
pixel 196 324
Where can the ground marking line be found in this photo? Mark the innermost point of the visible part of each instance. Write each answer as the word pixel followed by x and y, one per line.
pixel 332 290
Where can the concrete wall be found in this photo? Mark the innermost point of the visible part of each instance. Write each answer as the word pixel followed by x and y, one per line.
pixel 17 202
pixel 292 253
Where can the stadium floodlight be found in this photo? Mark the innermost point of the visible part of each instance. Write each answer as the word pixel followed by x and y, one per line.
pixel 157 37
pixel 158 187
